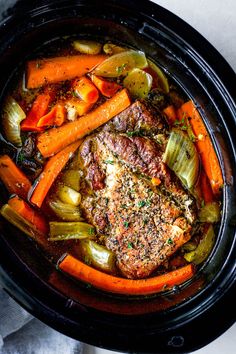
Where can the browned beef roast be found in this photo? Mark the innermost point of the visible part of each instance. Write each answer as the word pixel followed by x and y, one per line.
pixel 142 224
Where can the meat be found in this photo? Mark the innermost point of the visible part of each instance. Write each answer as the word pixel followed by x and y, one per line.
pixel 142 224
pixel 141 117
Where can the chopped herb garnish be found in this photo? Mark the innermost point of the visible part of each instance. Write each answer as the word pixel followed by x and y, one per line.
pixel 106 200
pixel 169 241
pixel 141 203
pixel 20 157
pixel 130 245
pixel 126 224
pixel 135 133
pixel 145 221
pixel 202 203
pixel 121 68
pixel 124 206
pixel 192 137
pixel 91 231
pixel 111 162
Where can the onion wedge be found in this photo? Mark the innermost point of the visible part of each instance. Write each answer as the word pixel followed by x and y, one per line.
pixel 13 114
pixel 181 157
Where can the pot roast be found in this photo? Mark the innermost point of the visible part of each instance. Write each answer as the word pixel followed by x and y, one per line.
pixel 142 222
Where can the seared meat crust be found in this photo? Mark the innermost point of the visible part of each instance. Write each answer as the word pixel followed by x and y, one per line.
pixel 139 117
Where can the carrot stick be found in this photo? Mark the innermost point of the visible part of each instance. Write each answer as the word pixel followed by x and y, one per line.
pixel 206 188
pixel 56 139
pixel 56 117
pixel 28 213
pixel 51 170
pixel 13 178
pixel 170 113
pixel 86 90
pixel 107 88
pixel 52 70
pixel 103 281
pixel 38 110
pixel 204 146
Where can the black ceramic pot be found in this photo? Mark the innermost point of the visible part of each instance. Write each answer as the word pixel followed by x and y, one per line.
pixel 190 316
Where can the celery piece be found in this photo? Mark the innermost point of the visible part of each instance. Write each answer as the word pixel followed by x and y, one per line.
pixel 60 231
pixel 69 195
pixel 98 256
pixel 203 249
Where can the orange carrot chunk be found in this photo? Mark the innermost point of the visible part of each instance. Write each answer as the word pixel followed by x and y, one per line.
pixel 13 178
pixel 27 212
pixel 51 170
pixel 38 110
pixel 204 146
pixel 107 88
pixel 207 193
pixel 107 282
pixel 56 139
pixel 171 115
pixel 53 70
pixel 56 117
pixel 85 89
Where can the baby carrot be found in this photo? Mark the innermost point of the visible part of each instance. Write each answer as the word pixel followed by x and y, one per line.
pixel 56 117
pixel 38 110
pixel 28 213
pixel 204 146
pixel 107 88
pixel 50 172
pixel 170 113
pixel 13 178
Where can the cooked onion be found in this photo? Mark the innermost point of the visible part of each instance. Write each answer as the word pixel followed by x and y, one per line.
pixel 181 156
pixel 12 117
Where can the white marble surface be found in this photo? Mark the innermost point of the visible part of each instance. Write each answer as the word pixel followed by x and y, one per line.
pixel 216 21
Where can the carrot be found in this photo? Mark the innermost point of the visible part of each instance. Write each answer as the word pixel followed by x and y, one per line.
pixel 52 70
pixel 85 89
pixel 107 88
pixel 56 139
pixel 56 117
pixel 156 181
pixel 38 110
pixel 170 113
pixel 13 178
pixel 107 282
pixel 204 146
pixel 28 213
pixel 51 170
pixel 206 188
pixel 80 106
